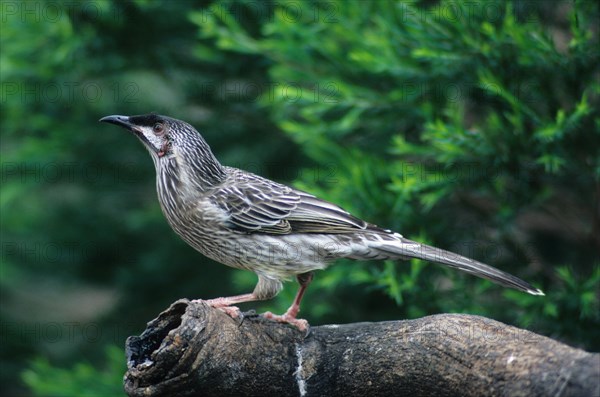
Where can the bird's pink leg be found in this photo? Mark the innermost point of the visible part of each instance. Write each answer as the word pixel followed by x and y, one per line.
pixel 290 315
pixel 225 303
pixel 266 288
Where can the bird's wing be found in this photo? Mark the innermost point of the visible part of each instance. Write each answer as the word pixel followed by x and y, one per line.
pixel 313 215
pixel 258 205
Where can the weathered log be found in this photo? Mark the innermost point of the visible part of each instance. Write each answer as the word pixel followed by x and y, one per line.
pixel 192 349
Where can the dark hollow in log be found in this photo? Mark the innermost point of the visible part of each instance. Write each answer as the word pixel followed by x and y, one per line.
pixel 192 349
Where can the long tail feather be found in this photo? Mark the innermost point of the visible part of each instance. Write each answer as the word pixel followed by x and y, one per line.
pixel 404 248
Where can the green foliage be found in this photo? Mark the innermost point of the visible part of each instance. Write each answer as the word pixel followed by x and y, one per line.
pixel 82 380
pixel 472 126
pixel 573 301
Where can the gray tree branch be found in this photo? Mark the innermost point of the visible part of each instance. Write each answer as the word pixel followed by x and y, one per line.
pixel 192 349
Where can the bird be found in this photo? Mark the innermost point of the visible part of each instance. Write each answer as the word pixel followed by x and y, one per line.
pixel 249 222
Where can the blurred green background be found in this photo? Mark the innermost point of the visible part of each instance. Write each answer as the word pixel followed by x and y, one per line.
pixel 473 126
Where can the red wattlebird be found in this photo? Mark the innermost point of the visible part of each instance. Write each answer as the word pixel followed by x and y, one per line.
pixel 248 222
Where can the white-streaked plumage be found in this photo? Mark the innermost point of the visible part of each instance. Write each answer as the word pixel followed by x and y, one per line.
pixel 249 222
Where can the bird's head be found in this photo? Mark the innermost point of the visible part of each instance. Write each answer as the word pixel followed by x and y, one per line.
pixel 168 139
pixel 161 135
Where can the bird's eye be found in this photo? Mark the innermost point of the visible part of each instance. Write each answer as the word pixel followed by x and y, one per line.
pixel 158 128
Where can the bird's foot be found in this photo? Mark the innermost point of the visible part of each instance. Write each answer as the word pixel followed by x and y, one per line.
pixel 231 311
pixel 222 304
pixel 287 318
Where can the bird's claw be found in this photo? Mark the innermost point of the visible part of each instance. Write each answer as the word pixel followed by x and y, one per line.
pixel 231 311
pixel 221 304
pixel 224 304
pixel 286 318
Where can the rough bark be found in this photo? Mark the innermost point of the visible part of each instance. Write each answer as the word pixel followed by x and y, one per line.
pixel 192 349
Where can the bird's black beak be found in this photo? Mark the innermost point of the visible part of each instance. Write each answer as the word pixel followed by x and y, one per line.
pixel 127 123
pixel 122 121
